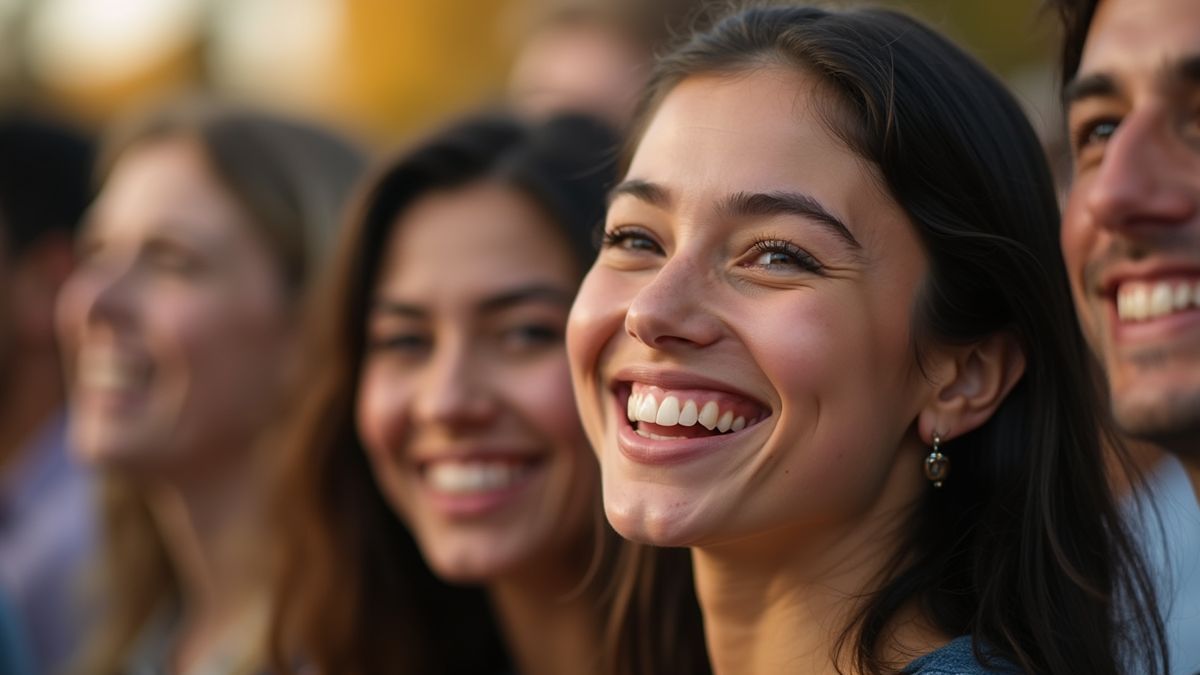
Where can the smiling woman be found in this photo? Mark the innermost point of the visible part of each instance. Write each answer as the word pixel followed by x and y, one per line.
pixel 443 500
pixel 830 271
pixel 178 328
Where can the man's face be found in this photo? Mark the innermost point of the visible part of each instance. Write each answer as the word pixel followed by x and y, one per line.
pixel 1131 232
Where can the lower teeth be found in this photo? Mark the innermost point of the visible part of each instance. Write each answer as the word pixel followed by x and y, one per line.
pixel 656 437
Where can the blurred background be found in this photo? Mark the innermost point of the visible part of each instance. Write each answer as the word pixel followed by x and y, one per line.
pixel 380 68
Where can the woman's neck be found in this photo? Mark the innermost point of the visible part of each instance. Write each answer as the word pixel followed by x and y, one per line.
pixel 771 606
pixel 207 530
pixel 549 618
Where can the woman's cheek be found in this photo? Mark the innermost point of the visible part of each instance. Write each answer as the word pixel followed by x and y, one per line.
pixel 379 412
pixel 548 401
pixel 597 315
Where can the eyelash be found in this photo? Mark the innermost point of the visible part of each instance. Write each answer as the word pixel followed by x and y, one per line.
pixel 1083 136
pixel 403 342
pixel 804 259
pixel 621 235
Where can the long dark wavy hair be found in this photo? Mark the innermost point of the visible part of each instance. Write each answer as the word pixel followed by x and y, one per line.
pixel 354 595
pixel 1024 547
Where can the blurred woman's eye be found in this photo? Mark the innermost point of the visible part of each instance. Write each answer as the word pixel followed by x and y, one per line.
pixel 407 344
pixel 172 258
pixel 528 336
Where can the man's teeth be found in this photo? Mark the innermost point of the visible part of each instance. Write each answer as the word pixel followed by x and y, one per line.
pixel 669 413
pixel 1140 301
pixel 469 477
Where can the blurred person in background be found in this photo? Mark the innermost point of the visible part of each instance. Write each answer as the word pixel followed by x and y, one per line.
pixel 443 501
pixel 46 524
pixel 179 329
pixel 1131 244
pixel 591 56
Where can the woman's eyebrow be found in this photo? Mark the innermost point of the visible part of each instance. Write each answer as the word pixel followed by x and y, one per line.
pixel 759 204
pixel 537 292
pixel 651 193
pixel 404 309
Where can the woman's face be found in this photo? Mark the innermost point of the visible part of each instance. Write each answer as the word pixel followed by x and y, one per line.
pixel 174 321
pixel 751 310
pixel 464 403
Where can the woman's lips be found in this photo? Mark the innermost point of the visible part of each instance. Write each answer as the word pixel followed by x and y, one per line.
pixel 471 486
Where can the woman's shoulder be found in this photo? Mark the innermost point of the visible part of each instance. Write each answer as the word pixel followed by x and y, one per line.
pixel 958 658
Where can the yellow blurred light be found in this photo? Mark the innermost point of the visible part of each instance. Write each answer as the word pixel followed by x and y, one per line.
pixel 91 43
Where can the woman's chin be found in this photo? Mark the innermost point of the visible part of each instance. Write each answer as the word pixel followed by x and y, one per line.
pixel 471 567
pixel 667 523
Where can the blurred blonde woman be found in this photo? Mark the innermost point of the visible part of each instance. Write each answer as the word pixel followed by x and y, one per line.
pixel 177 330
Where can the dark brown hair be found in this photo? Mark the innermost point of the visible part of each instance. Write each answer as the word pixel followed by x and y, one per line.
pixel 355 596
pixel 1076 17
pixel 1024 547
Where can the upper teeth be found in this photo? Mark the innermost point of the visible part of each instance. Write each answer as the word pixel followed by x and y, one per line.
pixel 105 371
pixel 476 476
pixel 669 413
pixel 1139 301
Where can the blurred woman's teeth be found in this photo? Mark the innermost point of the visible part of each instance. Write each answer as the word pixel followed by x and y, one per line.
pixel 455 477
pixel 1142 301
pixel 105 372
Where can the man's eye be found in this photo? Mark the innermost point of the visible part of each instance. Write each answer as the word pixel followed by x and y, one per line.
pixel 1095 133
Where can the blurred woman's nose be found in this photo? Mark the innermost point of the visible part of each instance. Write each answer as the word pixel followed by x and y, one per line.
pixel 453 390
pixel 99 294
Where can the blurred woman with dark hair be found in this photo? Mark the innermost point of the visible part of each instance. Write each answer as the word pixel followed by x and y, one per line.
pixel 443 502
pixel 178 328
pixel 829 345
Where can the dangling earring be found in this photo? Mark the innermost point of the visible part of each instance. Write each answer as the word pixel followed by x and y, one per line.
pixel 937 465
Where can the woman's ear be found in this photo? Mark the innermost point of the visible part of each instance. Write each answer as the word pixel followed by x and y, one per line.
pixel 973 384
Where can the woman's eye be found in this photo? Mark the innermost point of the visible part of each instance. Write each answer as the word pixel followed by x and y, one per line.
pixel 779 255
pixel 631 239
pixel 173 260
pixel 402 343
pixel 528 336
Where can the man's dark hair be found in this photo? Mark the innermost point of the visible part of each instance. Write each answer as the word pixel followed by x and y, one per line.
pixel 1076 17
pixel 45 178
